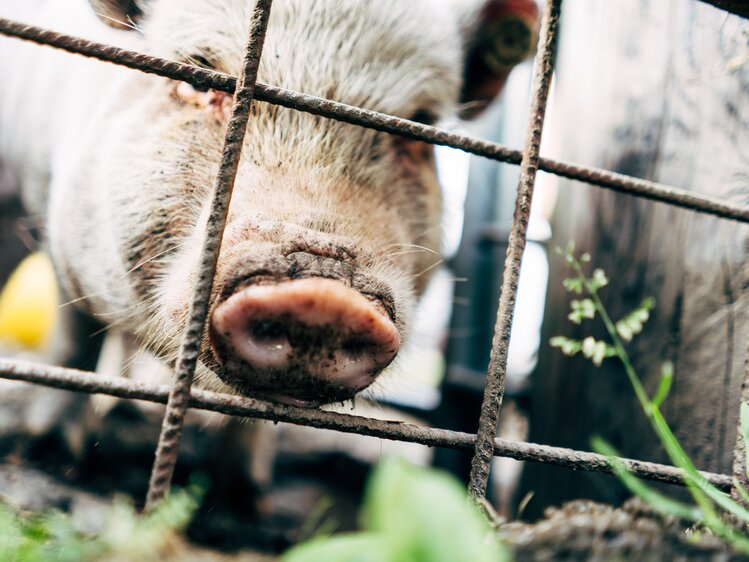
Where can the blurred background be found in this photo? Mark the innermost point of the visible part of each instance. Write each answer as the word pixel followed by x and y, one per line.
pixel 655 89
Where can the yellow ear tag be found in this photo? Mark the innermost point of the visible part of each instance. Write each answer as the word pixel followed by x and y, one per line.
pixel 29 304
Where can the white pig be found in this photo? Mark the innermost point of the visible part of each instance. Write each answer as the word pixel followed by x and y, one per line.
pixel 331 226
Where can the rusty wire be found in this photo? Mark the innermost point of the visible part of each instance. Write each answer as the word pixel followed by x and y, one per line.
pixel 167 450
pixel 204 78
pixel 81 381
pixel 495 380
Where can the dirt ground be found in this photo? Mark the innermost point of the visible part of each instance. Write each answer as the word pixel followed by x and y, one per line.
pixel 583 531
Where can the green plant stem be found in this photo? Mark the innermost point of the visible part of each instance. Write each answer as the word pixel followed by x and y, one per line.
pixel 642 396
pixel 703 493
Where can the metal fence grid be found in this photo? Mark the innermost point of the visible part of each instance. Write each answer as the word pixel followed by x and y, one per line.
pixel 179 397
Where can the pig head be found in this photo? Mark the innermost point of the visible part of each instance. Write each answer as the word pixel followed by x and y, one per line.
pixel 332 228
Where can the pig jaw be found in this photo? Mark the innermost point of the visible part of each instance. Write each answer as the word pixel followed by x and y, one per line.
pixel 303 341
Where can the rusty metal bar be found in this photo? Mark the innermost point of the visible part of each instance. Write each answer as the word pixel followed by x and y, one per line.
pixel 179 397
pixel 495 381
pixel 81 381
pixel 381 122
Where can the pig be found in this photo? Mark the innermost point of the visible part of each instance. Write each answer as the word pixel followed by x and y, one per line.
pixel 332 228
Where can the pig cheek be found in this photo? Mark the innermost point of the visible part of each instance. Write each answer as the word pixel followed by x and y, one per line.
pixel 413 156
pixel 417 165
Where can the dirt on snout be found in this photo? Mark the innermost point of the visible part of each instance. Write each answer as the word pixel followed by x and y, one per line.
pixel 590 532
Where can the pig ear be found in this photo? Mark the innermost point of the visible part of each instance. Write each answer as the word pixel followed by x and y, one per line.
pixel 503 34
pixel 120 14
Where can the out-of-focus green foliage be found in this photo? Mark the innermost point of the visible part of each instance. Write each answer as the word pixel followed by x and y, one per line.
pixel 410 515
pixel 127 536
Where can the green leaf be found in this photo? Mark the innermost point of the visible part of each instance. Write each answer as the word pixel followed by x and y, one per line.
pixel 596 350
pixel 680 459
pixel 647 303
pixel 598 280
pixel 664 387
pixel 659 502
pixel 589 346
pixel 599 353
pixel 573 285
pixel 587 308
pixel 584 308
pixel 426 516
pixel 632 323
pixel 624 331
pixel 360 547
pixel 568 346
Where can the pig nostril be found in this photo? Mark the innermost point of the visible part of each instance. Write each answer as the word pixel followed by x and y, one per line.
pixel 263 343
pixel 268 332
pixel 356 347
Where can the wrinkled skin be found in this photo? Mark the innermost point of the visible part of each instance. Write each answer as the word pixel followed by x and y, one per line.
pixel 121 166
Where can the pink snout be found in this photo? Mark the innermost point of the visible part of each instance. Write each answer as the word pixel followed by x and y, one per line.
pixel 305 341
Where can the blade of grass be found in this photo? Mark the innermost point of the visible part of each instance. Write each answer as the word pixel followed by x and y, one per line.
pixel 702 491
pixel 661 503
pixel 682 460
pixel 664 387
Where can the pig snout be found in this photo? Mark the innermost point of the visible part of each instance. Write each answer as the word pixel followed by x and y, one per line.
pixel 302 341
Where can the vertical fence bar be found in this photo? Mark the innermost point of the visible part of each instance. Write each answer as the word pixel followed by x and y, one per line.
pixel 495 383
pixel 179 396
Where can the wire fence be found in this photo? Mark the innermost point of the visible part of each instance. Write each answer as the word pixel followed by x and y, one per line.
pixel 179 397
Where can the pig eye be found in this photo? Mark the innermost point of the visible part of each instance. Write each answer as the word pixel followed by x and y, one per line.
pixel 201 89
pixel 424 116
pixel 202 62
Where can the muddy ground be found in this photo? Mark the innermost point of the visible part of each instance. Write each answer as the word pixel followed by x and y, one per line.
pixel 585 531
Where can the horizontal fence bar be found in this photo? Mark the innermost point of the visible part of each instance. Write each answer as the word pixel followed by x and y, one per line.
pixel 81 381
pixel 201 77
